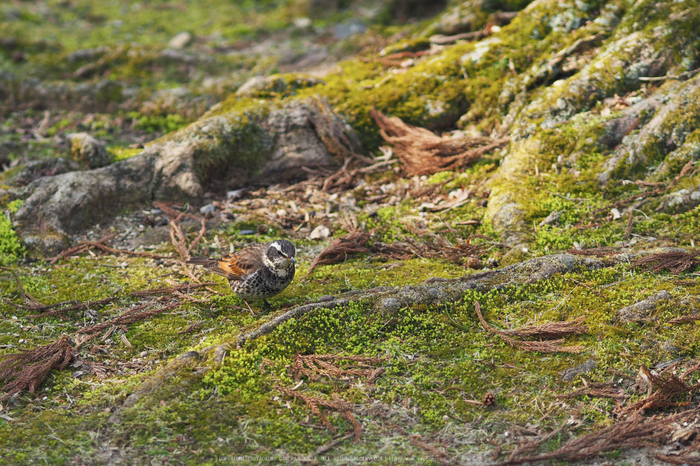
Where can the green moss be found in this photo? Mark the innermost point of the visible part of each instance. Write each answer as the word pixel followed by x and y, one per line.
pixel 123 153
pixel 158 123
pixel 10 247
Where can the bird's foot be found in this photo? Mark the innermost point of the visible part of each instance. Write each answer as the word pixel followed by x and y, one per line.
pixel 250 308
pixel 266 306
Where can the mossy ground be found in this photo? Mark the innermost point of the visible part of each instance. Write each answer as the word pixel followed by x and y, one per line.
pixel 436 360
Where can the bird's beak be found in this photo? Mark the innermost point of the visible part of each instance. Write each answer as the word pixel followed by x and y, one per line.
pixel 293 260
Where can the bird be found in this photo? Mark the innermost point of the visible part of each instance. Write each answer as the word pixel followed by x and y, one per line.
pixel 258 271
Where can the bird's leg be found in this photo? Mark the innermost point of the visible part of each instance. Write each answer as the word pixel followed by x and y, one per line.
pixel 249 308
pixel 266 306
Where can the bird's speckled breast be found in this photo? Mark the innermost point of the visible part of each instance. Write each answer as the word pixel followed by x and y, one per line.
pixel 262 284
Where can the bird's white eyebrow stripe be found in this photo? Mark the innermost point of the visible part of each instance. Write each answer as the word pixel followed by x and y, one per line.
pixel 276 246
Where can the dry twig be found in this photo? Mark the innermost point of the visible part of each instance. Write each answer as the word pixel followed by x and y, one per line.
pixel 132 315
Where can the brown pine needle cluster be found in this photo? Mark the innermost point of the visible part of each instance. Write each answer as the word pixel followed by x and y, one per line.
pixel 665 390
pixel 341 407
pixel 634 432
pixel 549 330
pixel 439 248
pixel 422 152
pixel 314 366
pixel 339 249
pixel 28 369
pixel 675 261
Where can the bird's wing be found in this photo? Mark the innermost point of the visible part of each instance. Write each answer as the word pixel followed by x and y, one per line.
pixel 245 261
pixel 235 266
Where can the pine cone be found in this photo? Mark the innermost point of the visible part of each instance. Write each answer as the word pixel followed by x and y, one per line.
pixel 489 398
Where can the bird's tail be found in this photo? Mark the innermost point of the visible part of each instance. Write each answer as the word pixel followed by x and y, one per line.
pixel 200 261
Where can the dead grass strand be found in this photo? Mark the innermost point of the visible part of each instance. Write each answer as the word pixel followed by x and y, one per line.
pixel 675 261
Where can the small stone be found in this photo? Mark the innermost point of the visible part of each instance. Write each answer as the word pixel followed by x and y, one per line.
pixel 670 346
pixel 89 150
pixel 320 232
pixel 390 305
pixel 207 209
pixel 236 194
pixel 156 211
pixel 246 232
pixel 302 22
pixel 641 310
pixel 180 41
pixel 570 374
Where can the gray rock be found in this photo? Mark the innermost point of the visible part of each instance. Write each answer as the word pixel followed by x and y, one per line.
pixel 236 193
pixel 36 169
pixel 219 152
pixel 670 346
pixel 570 374
pixel 680 201
pixel 246 232
pixel 640 311
pixel 46 244
pixel 102 96
pixel 62 205
pixel 88 150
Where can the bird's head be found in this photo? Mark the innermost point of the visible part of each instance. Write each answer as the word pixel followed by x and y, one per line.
pixel 281 254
